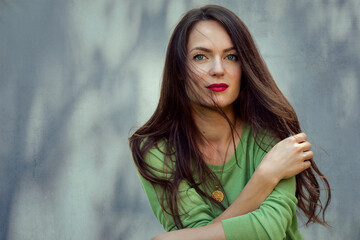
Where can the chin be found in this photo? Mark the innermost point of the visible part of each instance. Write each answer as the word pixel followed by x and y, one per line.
pixel 221 105
pixel 218 103
pixel 224 104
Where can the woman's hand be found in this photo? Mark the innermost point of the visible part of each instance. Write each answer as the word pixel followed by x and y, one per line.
pixel 212 231
pixel 287 158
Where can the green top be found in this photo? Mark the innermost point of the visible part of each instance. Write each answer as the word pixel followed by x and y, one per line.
pixel 274 219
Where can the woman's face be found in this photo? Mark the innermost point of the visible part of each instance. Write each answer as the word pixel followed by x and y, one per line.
pixel 214 66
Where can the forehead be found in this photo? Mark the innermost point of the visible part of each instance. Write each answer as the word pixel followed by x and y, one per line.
pixel 209 34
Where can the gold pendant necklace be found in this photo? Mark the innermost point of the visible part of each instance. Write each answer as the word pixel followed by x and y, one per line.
pixel 217 195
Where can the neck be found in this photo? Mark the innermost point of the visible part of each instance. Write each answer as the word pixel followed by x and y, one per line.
pixel 216 133
pixel 213 126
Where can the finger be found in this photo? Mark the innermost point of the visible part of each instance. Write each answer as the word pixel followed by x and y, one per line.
pixel 305 146
pixel 308 155
pixel 303 166
pixel 306 165
pixel 301 137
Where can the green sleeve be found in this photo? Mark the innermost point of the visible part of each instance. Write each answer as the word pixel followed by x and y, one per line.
pixel 276 216
pixel 194 211
pixel 271 221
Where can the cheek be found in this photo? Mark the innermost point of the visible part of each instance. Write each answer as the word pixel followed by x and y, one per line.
pixel 198 70
pixel 237 71
pixel 197 78
pixel 236 78
pixel 236 75
pixel 194 85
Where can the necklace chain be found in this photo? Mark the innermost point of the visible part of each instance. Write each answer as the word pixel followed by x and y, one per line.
pixel 217 195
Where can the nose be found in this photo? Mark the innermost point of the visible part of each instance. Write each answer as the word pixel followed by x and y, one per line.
pixel 217 68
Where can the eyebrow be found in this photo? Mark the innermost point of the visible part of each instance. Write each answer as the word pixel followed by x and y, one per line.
pixel 208 50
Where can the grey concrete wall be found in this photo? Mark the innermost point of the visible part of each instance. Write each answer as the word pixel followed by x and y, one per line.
pixel 76 76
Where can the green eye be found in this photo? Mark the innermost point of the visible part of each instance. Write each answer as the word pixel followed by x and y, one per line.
pixel 199 57
pixel 232 57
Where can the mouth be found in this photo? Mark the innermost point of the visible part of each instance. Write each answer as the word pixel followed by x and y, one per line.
pixel 218 87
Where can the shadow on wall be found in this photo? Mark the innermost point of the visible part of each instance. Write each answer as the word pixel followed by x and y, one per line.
pixel 326 34
pixel 71 88
pixel 66 83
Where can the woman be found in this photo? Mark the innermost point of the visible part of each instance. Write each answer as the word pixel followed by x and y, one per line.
pixel 216 160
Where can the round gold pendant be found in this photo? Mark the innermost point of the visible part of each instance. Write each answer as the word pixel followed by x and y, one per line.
pixel 217 196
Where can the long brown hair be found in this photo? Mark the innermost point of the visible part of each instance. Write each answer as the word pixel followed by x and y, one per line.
pixel 260 103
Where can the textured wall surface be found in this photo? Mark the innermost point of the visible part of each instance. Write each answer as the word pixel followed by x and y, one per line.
pixel 77 76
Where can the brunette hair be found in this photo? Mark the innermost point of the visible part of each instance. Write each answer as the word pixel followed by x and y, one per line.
pixel 260 103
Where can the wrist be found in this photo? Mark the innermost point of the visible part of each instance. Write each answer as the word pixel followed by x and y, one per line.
pixel 266 176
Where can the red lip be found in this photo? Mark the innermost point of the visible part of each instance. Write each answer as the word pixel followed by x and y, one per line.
pixel 218 87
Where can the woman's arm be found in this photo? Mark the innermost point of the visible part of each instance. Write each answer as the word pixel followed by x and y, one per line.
pixel 213 231
pixel 254 193
pixel 285 159
pixel 274 218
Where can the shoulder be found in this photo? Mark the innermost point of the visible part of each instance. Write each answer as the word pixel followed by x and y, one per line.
pixel 262 141
pixel 156 152
pixel 261 137
pixel 158 159
pixel 258 139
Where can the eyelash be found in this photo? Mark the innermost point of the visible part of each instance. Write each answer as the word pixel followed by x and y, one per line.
pixel 196 57
pixel 234 56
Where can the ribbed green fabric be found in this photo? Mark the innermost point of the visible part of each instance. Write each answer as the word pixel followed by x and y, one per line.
pixel 275 218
